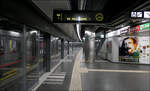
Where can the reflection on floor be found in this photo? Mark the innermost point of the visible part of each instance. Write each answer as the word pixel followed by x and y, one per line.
pixel 116 77
pixel 99 76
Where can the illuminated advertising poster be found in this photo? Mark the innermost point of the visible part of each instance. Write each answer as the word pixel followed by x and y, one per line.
pixel 144 45
pixel 135 49
pixel 128 50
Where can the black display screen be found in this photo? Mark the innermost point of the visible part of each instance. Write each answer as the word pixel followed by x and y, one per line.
pixel 68 16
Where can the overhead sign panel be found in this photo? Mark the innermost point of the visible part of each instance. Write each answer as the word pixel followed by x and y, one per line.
pixel 137 14
pixel 145 27
pixel 140 14
pixel 146 14
pixel 67 16
pixel 139 28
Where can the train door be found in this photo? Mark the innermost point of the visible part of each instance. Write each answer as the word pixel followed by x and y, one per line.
pixel 11 71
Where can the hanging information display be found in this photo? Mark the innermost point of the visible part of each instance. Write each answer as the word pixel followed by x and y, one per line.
pixel 140 14
pixel 68 16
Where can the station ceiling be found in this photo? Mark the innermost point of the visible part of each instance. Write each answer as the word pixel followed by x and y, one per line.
pixel 112 9
pixel 40 14
pixel 115 11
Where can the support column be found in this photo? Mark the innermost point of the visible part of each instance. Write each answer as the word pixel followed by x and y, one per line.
pixel 89 46
pixel 47 56
pixel 72 48
pixel 68 47
pixel 24 57
pixel 62 48
pixel 38 51
pixel 104 34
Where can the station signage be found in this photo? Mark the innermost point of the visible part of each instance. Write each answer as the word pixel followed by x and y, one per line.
pixel 139 28
pixel 140 14
pixel 146 14
pixel 118 32
pixel 134 29
pixel 145 27
pixel 68 16
pixel 137 14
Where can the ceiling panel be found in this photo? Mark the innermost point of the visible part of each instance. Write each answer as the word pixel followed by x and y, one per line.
pixel 47 6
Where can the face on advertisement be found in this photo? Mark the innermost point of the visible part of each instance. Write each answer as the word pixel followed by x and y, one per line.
pixel 131 44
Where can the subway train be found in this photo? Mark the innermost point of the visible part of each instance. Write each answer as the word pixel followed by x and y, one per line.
pixel 15 73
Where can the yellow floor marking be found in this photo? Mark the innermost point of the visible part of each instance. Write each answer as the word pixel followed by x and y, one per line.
pixel 83 70
pixel 8 76
pixel 9 72
pixel 76 78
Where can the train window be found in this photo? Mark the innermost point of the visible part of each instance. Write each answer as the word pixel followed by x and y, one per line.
pixel 10 60
pixel 12 46
pixel 2 49
pixel 10 56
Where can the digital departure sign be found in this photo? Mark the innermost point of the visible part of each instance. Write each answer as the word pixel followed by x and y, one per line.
pixel 68 16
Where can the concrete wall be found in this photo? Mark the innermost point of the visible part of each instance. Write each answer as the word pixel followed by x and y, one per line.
pixel 115 49
pixel 110 49
pixel 102 52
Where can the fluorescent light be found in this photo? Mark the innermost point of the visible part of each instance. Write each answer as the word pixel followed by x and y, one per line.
pixel 55 38
pixel 33 32
pixel 92 34
pixel 88 32
pixel 102 35
pixel 144 21
pixel 79 18
pixel 78 31
pixel 14 33
pixel 83 38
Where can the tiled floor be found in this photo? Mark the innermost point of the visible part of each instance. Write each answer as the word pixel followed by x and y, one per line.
pixel 66 67
pixel 103 76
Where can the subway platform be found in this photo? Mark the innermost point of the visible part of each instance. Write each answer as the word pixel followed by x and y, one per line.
pixel 74 74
